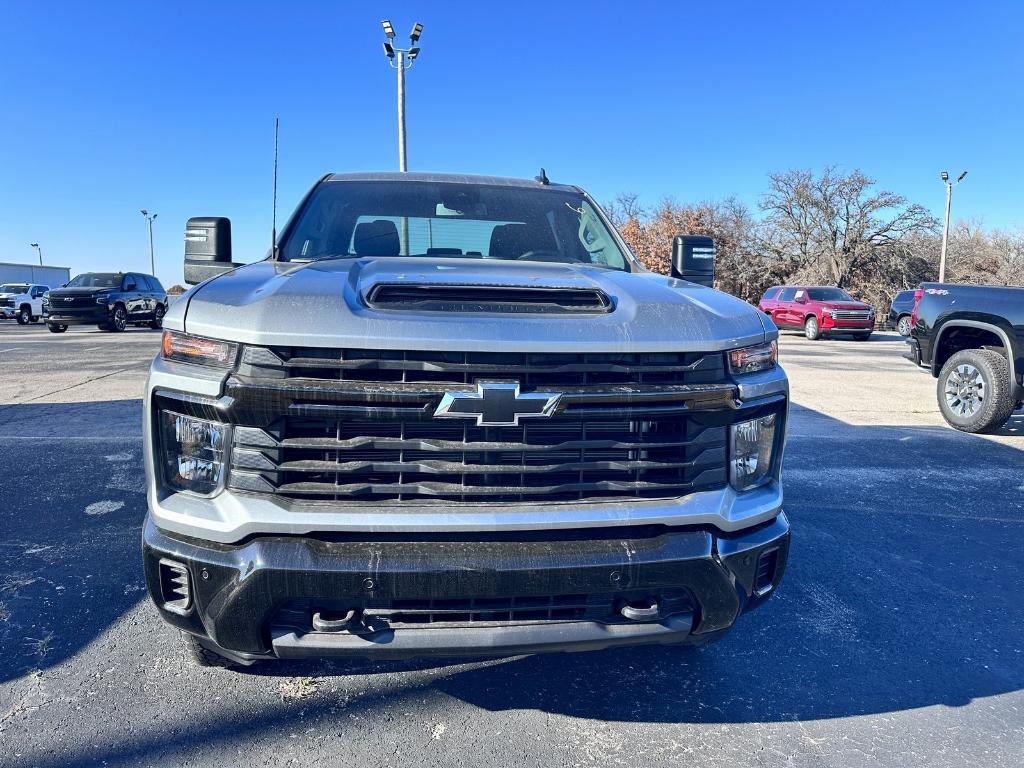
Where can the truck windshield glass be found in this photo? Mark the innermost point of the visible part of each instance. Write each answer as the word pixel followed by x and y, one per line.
pixel 13 288
pixel 828 294
pixel 435 219
pixel 97 280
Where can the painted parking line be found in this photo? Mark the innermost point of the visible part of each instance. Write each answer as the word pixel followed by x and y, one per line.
pixel 11 349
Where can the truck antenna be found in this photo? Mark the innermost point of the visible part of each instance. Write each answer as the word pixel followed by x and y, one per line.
pixel 273 216
pixel 542 178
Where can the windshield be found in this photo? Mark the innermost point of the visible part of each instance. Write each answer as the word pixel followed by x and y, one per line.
pixel 437 219
pixel 97 280
pixel 828 294
pixel 14 288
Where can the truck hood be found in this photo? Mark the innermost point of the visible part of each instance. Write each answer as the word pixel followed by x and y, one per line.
pixel 323 304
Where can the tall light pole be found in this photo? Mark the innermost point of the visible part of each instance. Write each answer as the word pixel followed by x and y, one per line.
pixel 401 59
pixel 152 261
pixel 945 230
pixel 39 251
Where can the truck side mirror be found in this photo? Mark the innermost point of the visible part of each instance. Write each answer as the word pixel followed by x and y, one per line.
pixel 207 248
pixel 693 259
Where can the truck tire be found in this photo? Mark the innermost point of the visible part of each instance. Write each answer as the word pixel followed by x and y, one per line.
pixel 975 392
pixel 861 336
pixel 811 328
pixel 158 318
pixel 204 656
pixel 24 316
pixel 55 328
pixel 904 326
pixel 118 320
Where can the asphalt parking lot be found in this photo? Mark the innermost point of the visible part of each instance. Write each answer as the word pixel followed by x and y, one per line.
pixel 895 639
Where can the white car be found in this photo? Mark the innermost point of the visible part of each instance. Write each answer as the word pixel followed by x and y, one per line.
pixel 23 301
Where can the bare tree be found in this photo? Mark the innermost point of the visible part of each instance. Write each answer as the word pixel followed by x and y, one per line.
pixel 835 225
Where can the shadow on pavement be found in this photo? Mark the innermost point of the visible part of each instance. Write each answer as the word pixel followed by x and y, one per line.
pixel 902 592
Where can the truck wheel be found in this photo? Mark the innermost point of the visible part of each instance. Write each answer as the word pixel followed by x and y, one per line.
pixel 54 328
pixel 24 316
pixel 203 656
pixel 903 325
pixel 861 336
pixel 158 318
pixel 975 392
pixel 811 329
pixel 119 320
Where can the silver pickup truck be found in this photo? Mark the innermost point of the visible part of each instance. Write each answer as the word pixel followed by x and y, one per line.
pixel 453 415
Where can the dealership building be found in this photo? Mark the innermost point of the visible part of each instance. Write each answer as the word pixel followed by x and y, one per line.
pixel 34 274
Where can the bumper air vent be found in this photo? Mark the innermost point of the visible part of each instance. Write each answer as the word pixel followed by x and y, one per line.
pixel 767 563
pixel 488 298
pixel 175 587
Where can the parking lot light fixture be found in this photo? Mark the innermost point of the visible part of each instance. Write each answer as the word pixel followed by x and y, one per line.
pixel 152 260
pixel 945 229
pixel 39 251
pixel 401 59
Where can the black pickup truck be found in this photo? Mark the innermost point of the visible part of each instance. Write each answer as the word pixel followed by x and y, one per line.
pixel 971 337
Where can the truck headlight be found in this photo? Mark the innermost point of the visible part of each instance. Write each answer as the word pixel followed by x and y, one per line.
pixel 186 348
pixel 193 452
pixel 757 358
pixel 751 446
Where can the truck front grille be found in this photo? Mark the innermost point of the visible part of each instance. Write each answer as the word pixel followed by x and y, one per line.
pixel 361 460
pixel 6 302
pixel 851 314
pixel 358 427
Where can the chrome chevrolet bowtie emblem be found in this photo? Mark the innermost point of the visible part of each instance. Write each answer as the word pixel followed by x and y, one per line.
pixel 496 404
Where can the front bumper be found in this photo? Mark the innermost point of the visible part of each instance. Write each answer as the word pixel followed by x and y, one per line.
pixel 8 312
pixel 86 316
pixel 238 593
pixel 846 326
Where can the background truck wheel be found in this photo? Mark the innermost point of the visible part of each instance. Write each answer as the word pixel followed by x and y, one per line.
pixel 903 325
pixel 24 316
pixel 54 328
pixel 811 329
pixel 158 319
pixel 975 392
pixel 203 656
pixel 118 321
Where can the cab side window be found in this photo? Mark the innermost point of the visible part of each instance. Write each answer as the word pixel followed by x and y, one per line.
pixel 129 284
pixel 787 294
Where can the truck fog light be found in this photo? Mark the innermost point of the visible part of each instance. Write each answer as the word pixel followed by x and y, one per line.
pixel 751 445
pixel 193 453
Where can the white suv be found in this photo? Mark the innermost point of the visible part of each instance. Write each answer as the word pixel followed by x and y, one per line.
pixel 23 301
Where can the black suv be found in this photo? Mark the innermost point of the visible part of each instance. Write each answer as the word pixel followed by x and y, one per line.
pixel 900 312
pixel 111 300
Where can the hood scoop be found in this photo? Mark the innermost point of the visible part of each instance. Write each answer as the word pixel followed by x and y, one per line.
pixel 489 298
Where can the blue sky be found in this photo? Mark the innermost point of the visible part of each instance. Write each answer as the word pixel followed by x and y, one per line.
pixel 112 107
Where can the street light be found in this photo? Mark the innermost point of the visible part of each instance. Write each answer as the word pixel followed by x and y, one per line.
pixel 945 230
pixel 401 59
pixel 152 260
pixel 38 250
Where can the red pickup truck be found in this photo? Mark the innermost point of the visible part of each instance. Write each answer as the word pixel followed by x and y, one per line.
pixel 818 311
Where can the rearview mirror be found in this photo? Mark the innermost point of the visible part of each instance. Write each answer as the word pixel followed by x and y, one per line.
pixel 207 248
pixel 693 259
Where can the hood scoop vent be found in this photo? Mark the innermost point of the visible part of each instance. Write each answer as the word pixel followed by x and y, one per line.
pixel 510 299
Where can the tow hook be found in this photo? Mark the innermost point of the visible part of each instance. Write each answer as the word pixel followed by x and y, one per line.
pixel 329 623
pixel 647 612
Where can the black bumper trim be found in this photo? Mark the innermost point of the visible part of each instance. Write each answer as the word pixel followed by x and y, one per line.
pixel 238 590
